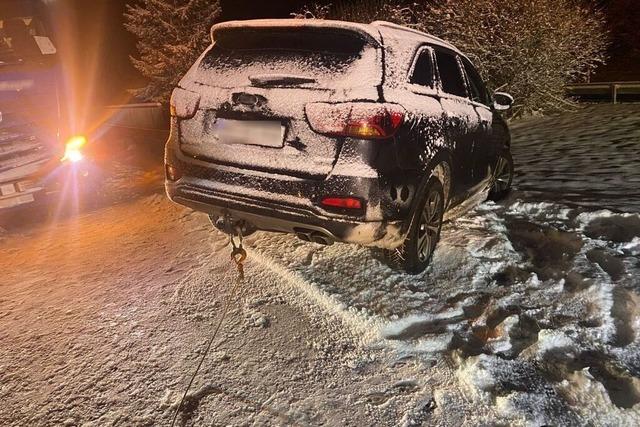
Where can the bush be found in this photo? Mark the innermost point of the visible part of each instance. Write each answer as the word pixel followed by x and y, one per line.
pixel 530 49
pixel 171 34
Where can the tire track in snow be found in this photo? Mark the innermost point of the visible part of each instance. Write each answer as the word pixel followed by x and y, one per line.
pixel 511 267
pixel 348 281
pixel 364 328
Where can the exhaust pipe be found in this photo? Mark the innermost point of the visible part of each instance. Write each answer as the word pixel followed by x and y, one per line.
pixel 303 236
pixel 313 236
pixel 320 238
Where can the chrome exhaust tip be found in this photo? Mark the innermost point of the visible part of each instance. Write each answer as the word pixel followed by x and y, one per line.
pixel 303 236
pixel 320 238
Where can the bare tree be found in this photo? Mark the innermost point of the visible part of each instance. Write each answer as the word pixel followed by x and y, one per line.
pixel 170 34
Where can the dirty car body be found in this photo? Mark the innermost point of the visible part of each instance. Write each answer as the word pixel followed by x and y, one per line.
pixel 329 130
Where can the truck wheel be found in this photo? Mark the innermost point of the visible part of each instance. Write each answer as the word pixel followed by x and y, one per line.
pixel 414 255
pixel 502 177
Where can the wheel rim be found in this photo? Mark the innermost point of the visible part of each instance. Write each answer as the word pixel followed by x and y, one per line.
pixel 502 175
pixel 429 226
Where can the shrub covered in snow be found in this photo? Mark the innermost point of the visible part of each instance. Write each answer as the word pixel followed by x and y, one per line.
pixel 171 34
pixel 531 49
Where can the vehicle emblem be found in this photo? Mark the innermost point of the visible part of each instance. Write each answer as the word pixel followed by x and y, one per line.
pixel 248 99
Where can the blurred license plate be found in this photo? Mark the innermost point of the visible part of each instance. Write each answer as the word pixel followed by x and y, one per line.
pixel 253 132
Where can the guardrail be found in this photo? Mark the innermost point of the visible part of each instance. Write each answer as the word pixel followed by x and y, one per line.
pixel 614 91
pixel 137 124
pixel 143 117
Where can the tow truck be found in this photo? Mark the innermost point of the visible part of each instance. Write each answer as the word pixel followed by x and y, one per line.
pixel 40 155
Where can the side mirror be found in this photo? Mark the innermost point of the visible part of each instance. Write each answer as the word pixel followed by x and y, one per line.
pixel 502 101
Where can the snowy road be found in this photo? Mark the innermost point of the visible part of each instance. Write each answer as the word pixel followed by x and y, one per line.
pixel 588 158
pixel 530 313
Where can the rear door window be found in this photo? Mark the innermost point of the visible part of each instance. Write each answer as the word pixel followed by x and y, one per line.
pixel 422 73
pixel 476 85
pixel 328 57
pixel 450 73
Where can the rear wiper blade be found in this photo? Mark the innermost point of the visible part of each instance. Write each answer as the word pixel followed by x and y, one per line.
pixel 279 80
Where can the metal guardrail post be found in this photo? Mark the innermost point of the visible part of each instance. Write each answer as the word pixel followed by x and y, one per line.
pixel 613 91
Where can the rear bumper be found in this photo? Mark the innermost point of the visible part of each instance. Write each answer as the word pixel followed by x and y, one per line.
pixel 23 199
pixel 28 190
pixel 281 218
pixel 272 202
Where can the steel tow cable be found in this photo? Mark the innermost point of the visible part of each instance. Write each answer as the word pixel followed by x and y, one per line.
pixel 238 255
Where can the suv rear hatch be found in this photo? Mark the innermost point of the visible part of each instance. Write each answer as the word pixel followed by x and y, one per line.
pixel 243 103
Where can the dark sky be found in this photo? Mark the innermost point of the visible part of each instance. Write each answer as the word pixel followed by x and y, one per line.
pixel 245 9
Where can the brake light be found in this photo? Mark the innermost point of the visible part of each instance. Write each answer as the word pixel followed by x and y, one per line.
pixel 342 202
pixel 184 103
pixel 355 119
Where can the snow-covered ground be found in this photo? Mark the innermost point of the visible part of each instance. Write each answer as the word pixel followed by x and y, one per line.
pixel 529 314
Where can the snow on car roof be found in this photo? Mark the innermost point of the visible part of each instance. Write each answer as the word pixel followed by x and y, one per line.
pixel 402 32
pixel 368 32
pixel 371 32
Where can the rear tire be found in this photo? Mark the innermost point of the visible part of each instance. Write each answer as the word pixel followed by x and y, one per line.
pixel 415 253
pixel 502 178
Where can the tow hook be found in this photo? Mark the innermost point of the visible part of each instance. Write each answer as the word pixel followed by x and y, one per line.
pixel 228 225
pixel 238 253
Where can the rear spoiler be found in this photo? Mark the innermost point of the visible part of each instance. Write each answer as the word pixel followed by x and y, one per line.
pixel 367 32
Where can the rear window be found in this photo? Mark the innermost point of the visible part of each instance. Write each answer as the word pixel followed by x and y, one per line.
pixel 326 56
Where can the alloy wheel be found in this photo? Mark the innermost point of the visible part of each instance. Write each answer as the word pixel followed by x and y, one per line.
pixel 429 226
pixel 502 176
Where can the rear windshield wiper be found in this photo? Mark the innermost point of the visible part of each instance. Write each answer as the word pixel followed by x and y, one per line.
pixel 279 80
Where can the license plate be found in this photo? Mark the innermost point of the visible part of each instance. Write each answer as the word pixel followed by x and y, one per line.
pixel 266 133
pixel 15 201
pixel 7 189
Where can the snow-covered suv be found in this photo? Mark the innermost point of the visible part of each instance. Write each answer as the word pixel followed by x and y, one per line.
pixel 336 131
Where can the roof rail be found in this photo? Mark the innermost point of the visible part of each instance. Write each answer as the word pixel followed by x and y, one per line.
pixel 409 30
pixel 365 31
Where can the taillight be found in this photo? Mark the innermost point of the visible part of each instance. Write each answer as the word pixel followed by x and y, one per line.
pixel 184 103
pixel 341 202
pixel 355 119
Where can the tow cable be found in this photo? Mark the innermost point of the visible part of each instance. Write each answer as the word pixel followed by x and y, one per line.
pixel 238 256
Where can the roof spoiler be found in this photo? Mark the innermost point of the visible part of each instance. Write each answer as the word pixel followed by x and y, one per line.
pixel 371 35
